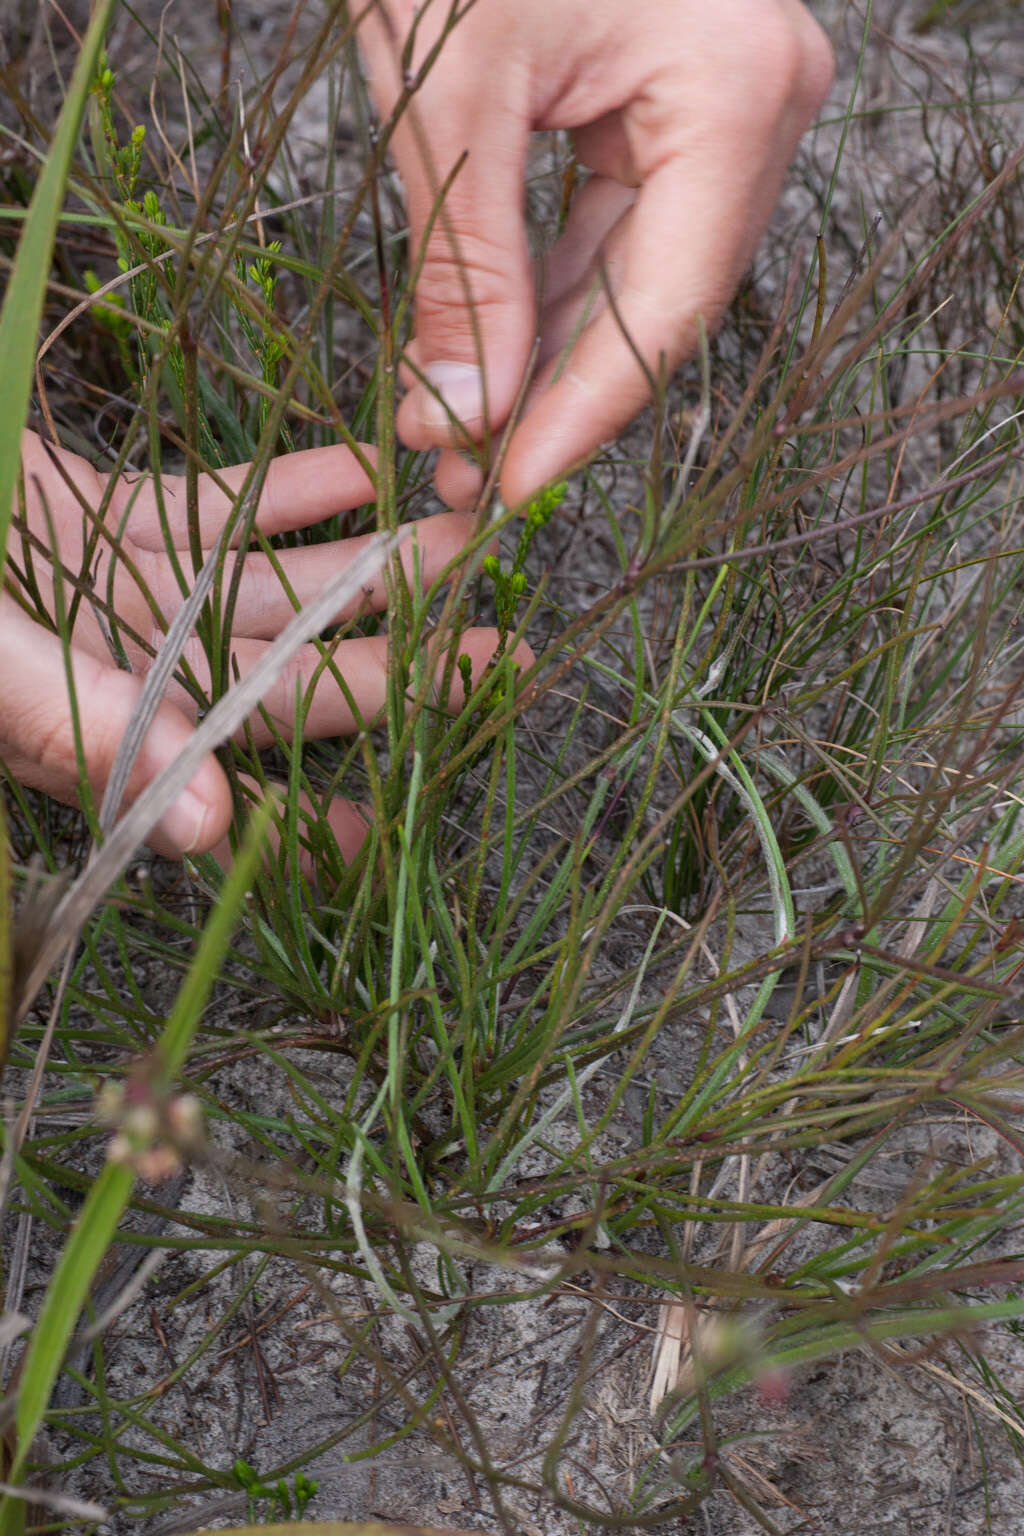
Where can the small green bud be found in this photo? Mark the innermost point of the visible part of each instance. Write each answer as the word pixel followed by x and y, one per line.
pixel 518 582
pixel 465 667
pixel 491 566
pixel 541 509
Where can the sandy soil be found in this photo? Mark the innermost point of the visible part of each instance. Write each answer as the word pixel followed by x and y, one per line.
pixel 857 1447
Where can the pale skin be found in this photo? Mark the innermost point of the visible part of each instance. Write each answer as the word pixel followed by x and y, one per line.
pixel 685 114
pixel 36 723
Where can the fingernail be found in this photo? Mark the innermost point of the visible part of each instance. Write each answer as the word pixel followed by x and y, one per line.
pixel 460 387
pixel 182 824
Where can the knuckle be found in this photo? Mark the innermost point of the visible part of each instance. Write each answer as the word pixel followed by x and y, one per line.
pixel 193 655
pixel 263 594
pixel 51 747
pixel 101 690
pixel 790 62
pixel 817 64
pixel 460 274
pixel 192 661
pixel 294 681
pixel 291 683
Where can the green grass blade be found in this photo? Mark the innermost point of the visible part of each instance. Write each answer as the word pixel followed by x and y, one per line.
pixel 26 291
pixel 108 1197
pixel 65 1298
pixel 205 968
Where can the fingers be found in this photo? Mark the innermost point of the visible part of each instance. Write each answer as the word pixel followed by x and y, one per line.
pixel 570 282
pixel 264 606
pixel 585 262
pixel 346 696
pixel 642 271
pixel 585 398
pixel 299 489
pixel 687 115
pixel 37 738
pixel 349 822
pixel 466 130
pixel 459 479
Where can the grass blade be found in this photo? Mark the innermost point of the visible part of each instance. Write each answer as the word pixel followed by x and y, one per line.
pixel 106 1201
pixel 26 291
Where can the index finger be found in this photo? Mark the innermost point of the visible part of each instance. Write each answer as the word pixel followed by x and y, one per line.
pixel 709 170
pixel 299 489
pixel 684 245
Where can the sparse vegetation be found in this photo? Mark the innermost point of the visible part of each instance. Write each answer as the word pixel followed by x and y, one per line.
pixel 676 988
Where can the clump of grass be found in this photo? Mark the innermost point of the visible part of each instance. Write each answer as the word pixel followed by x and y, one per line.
pixel 654 955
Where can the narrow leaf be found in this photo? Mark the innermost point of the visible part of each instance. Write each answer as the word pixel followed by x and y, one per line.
pixel 65 1297
pixel 106 1201
pixel 26 291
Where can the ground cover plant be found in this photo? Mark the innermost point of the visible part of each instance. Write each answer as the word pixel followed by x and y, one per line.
pixel 645 1094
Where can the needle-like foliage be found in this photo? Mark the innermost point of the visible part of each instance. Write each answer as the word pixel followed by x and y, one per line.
pixel 672 1005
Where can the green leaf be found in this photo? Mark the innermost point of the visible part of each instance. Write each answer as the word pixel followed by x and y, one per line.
pixel 205 968
pixel 26 291
pixel 108 1197
pixel 65 1297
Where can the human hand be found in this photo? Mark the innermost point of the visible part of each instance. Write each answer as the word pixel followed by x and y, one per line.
pixel 686 113
pixel 36 723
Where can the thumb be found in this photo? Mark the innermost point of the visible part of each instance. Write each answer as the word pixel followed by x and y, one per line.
pixel 37 735
pixel 460 147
